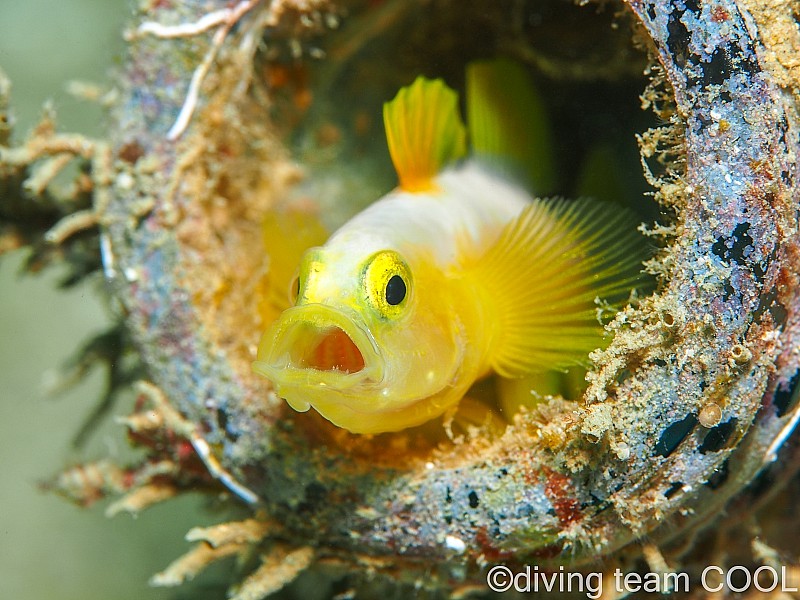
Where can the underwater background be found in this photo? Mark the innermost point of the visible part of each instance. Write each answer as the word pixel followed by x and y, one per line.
pixel 50 548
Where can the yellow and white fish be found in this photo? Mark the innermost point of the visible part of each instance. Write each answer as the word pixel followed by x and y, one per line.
pixel 455 274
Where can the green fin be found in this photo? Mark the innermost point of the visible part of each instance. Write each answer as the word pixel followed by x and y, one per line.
pixel 543 276
pixel 527 391
pixel 530 390
pixel 508 125
pixel 424 131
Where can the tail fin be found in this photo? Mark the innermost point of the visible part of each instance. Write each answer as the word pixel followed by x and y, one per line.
pixel 508 125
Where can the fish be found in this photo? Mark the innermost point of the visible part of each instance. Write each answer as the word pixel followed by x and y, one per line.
pixel 458 273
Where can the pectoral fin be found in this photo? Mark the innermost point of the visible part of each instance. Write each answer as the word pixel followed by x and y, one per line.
pixel 555 275
pixel 424 131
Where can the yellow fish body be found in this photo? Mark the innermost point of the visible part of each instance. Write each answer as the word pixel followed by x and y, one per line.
pixel 455 274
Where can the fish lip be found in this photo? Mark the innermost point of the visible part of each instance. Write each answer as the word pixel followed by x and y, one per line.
pixel 275 358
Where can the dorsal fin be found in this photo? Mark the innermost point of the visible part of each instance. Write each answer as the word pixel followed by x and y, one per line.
pixel 424 131
pixel 507 122
pixel 555 275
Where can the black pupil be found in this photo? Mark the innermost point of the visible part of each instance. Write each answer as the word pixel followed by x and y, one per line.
pixel 395 290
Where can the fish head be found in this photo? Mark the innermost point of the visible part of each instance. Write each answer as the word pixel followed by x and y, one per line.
pixel 371 334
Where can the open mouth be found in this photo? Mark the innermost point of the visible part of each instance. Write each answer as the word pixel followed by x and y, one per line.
pixel 317 345
pixel 327 349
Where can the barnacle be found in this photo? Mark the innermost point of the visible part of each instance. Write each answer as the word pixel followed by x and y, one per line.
pixel 694 398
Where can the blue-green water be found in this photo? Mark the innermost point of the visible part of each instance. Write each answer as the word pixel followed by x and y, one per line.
pixel 50 549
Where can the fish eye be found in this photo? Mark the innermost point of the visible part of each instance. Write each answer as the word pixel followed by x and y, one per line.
pixel 387 282
pixel 395 290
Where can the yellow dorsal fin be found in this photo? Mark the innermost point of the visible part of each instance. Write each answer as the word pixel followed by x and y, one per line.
pixel 508 124
pixel 554 274
pixel 424 131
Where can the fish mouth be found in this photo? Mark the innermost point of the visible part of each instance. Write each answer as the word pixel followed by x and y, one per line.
pixel 316 345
